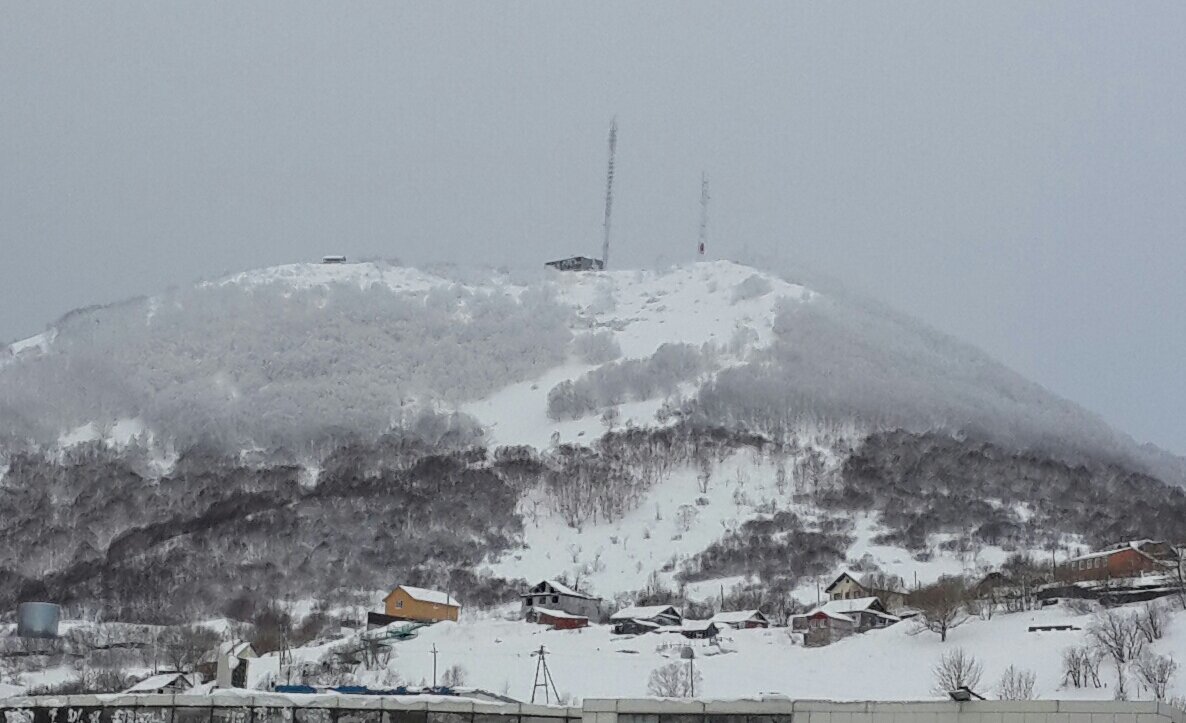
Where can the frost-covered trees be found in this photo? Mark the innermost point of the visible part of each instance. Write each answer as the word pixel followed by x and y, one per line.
pixel 628 380
pixel 596 347
pixel 281 366
pixel 1156 672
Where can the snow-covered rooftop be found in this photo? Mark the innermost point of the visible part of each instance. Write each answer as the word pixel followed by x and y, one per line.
pixel 435 597
pixel 561 589
pixel 733 617
pixel 157 682
pixel 844 607
pixel 559 614
pixel 645 612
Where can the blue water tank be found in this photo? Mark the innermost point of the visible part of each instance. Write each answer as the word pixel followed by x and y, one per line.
pixel 38 620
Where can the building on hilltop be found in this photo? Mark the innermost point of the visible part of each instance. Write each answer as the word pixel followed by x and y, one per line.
pixel 577 263
pixel 421 605
pixel 555 595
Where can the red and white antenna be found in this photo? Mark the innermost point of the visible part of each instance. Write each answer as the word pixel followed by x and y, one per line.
pixel 703 214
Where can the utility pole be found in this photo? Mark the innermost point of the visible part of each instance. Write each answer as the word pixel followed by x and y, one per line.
pixel 543 677
pixel 434 665
pixel 703 214
pixel 609 191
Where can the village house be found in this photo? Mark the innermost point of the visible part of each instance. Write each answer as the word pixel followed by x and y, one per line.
pixel 557 619
pixel 166 684
pixel 821 627
pixel 847 587
pixel 867 613
pixel 645 619
pixel 699 629
pixel 421 605
pixel 1124 560
pixel 741 619
pixel 837 619
pixel 231 663
pixel 557 596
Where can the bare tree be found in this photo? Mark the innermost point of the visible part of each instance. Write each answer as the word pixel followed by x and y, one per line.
pixel 184 647
pixel 957 669
pixel 941 606
pixel 454 677
pixel 1156 671
pixel 1016 684
pixel 1117 635
pixel 1081 666
pixel 1151 620
pixel 673 680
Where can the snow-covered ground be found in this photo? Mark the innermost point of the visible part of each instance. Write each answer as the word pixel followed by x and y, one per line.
pixel 891 664
pixel 895 663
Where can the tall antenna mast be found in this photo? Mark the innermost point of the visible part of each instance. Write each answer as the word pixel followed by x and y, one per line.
pixel 609 190
pixel 703 214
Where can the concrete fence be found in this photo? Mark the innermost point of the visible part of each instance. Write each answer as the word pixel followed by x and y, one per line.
pixel 781 710
pixel 273 708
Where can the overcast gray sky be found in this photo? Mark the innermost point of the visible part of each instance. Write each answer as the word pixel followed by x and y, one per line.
pixel 1012 173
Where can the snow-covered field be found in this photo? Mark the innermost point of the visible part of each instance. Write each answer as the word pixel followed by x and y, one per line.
pixel 891 664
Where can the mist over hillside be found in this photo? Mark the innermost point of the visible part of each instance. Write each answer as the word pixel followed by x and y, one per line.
pixel 310 355
pixel 365 423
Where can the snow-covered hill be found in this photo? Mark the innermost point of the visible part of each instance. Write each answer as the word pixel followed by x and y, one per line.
pixel 703 427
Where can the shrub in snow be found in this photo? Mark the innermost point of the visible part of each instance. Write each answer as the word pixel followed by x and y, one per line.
pixel 956 669
pixel 1016 684
pixel 454 677
pixel 674 680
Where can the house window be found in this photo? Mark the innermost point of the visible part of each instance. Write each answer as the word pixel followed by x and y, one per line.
pixel 543 601
pixel 399 604
pixel 555 598
pixel 530 601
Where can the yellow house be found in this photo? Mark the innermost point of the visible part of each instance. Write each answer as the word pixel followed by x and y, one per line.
pixel 421 605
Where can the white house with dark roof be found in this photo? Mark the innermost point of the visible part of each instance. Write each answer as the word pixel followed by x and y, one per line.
pixel 553 595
